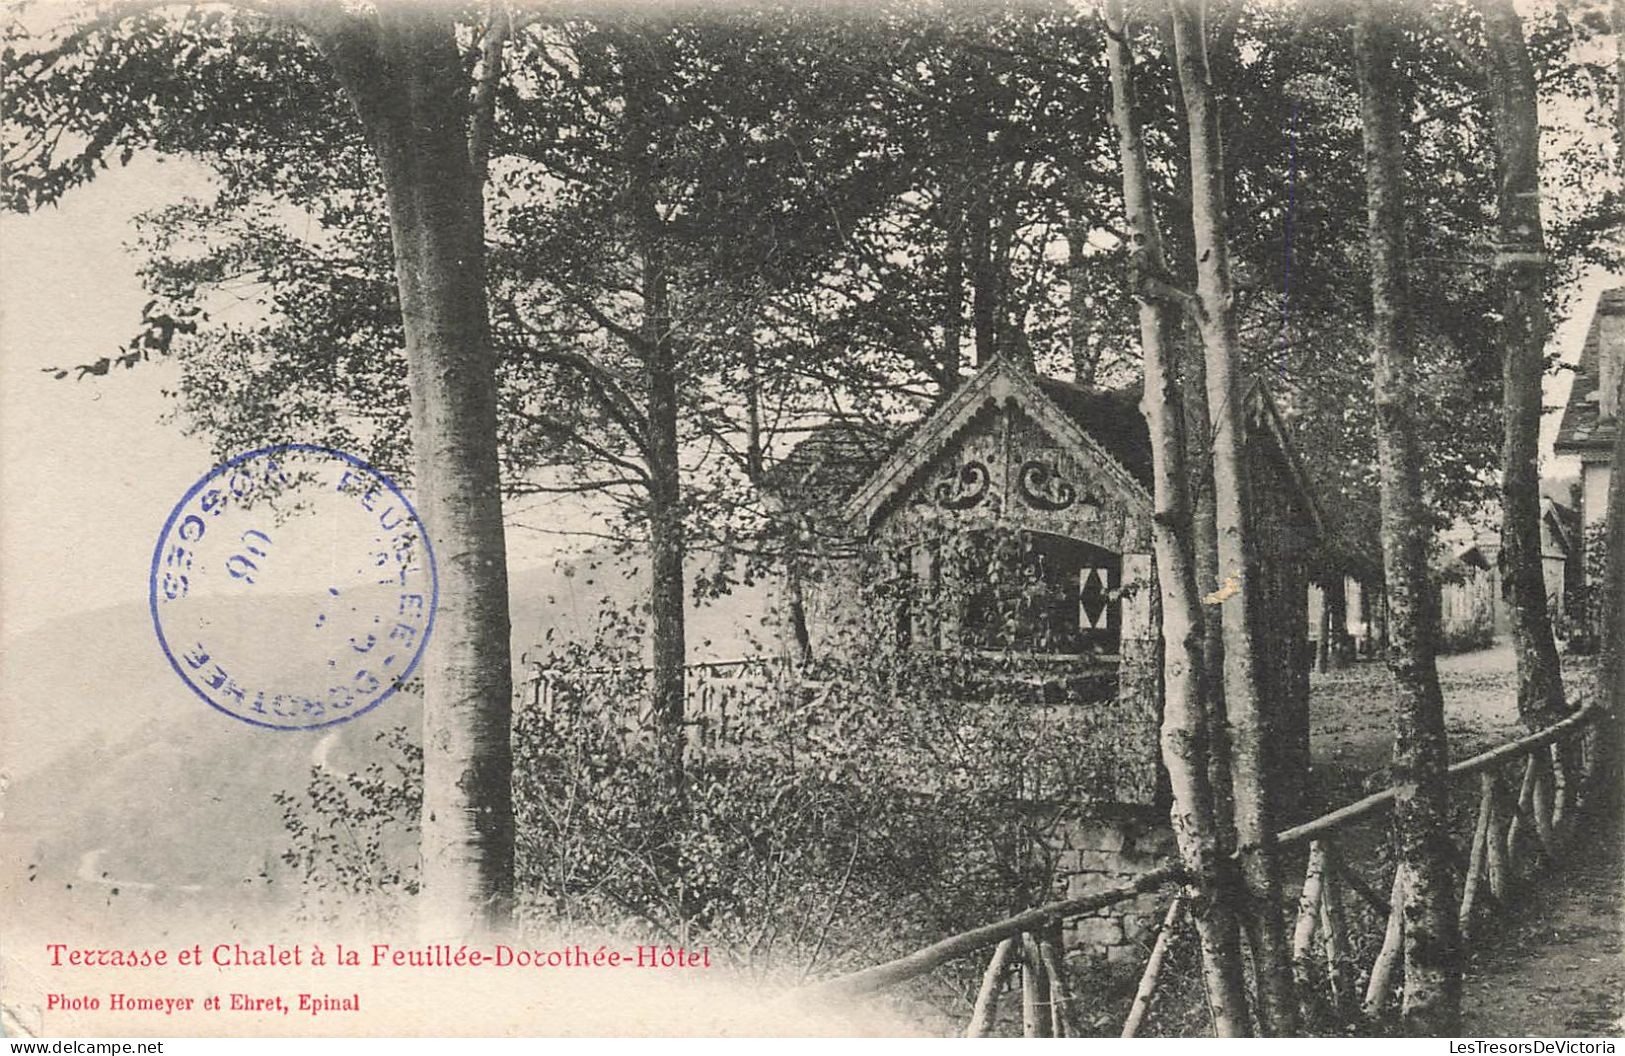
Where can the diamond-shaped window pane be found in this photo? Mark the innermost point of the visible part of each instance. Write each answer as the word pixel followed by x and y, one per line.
pixel 1093 598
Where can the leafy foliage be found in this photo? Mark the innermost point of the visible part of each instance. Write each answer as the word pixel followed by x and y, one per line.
pixel 352 837
pixel 833 814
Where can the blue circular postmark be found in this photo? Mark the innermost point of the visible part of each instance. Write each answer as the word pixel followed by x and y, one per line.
pixel 294 587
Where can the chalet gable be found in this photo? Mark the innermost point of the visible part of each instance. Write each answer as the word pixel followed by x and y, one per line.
pixel 1002 437
pixel 1039 452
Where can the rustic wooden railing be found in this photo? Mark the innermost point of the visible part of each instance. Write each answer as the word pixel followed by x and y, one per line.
pixel 721 698
pixel 1508 832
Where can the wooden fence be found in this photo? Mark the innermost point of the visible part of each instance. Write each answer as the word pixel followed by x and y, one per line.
pixel 722 699
pixel 1512 832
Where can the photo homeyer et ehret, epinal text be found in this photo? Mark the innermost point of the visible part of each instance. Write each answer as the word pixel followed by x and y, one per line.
pixel 943 518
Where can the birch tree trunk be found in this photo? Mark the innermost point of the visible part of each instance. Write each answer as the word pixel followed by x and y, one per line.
pixel 402 72
pixel 1521 266
pixel 1199 473
pixel 1185 729
pixel 646 67
pixel 1249 755
pixel 1432 946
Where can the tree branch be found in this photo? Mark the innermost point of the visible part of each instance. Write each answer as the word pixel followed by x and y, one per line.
pixel 552 425
pixel 498 26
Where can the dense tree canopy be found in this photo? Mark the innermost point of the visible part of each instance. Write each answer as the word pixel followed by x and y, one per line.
pixel 854 207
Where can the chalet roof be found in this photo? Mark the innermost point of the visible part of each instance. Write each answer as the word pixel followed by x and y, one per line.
pixel 1112 417
pixel 837 456
pixel 1583 428
pixel 999 381
pixel 1107 424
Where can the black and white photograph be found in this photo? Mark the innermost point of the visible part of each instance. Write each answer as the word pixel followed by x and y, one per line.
pixel 1069 519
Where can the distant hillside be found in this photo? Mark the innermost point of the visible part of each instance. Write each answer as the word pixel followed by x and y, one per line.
pixel 119 775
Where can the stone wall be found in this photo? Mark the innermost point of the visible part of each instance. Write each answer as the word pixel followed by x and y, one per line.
pixel 1096 853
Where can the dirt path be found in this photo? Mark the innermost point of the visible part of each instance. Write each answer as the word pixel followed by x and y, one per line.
pixel 1555 967
pixel 1352 729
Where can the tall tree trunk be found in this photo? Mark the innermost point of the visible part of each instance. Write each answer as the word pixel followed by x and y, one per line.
pixel 402 72
pixel 1079 325
pixel 953 281
pixel 1610 762
pixel 1185 723
pixel 667 541
pixel 1619 98
pixel 1199 469
pixel 1521 265
pixel 646 68
pixel 1205 544
pixel 984 279
pixel 1249 750
pixel 1433 959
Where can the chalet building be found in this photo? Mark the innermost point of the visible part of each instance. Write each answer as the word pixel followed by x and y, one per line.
pixel 1592 416
pixel 1066 471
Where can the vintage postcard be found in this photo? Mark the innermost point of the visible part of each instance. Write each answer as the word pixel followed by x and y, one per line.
pixel 927 518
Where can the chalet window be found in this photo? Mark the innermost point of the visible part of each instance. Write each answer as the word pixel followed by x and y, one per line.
pixel 1040 593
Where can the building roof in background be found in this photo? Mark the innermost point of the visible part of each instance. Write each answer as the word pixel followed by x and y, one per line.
pixel 1583 428
pixel 829 463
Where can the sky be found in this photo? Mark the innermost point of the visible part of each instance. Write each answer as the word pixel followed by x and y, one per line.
pixel 89 473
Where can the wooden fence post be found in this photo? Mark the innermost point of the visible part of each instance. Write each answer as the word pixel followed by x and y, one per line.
pixel 1393 946
pixel 1153 967
pixel 987 998
pixel 1334 924
pixel 1475 858
pixel 1519 822
pixel 1055 976
pixel 1034 996
pixel 1541 801
pixel 1495 846
pixel 1303 936
pixel 1566 787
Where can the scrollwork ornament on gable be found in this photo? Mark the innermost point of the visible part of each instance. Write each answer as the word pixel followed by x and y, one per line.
pixel 1043 488
pixel 962 488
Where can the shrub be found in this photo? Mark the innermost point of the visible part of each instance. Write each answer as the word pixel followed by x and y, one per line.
pixel 353 836
pixel 835 815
